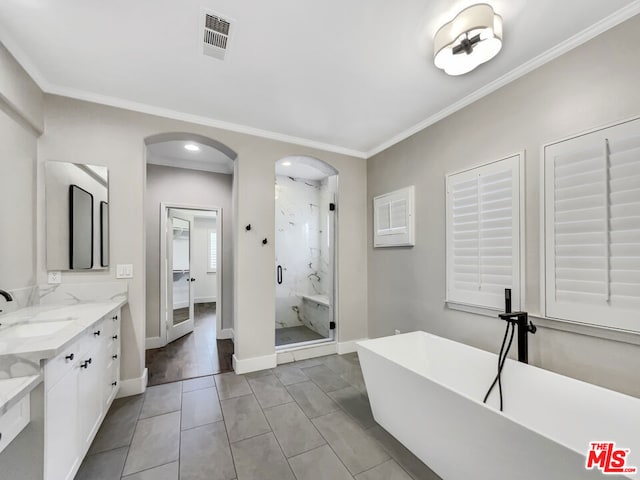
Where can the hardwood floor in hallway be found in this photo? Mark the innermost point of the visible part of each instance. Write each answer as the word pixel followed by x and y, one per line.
pixel 196 354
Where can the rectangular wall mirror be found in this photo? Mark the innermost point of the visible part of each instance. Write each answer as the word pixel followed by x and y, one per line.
pixel 77 216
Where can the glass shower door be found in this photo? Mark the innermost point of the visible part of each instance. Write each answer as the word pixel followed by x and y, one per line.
pixel 304 250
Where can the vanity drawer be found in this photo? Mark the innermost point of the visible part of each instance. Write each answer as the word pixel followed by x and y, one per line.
pixel 57 367
pixel 12 422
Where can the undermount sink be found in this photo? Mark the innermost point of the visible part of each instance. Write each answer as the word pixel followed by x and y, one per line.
pixel 35 329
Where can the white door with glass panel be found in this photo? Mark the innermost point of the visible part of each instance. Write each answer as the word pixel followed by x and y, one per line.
pixel 180 317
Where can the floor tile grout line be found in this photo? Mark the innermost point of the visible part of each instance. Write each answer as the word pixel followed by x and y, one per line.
pixel 180 430
pixel 198 426
pixel 147 469
pixel 281 449
pixel 390 453
pixel 252 436
pixel 226 432
pixel 132 436
pixel 333 450
pixel 159 414
pixel 128 450
pixel 305 415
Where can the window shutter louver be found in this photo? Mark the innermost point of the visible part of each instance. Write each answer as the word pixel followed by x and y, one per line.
pixel 483 234
pixel 592 224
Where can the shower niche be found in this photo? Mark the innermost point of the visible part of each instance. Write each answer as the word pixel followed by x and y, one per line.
pixel 305 233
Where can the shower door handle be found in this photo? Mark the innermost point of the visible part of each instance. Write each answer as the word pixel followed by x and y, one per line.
pixel 279 277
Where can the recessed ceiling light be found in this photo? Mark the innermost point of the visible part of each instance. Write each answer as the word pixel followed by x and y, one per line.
pixel 191 147
pixel 286 164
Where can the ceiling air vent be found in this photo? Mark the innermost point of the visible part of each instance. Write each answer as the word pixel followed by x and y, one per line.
pixel 216 35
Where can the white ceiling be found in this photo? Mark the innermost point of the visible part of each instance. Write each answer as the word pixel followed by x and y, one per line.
pixel 351 76
pixel 173 154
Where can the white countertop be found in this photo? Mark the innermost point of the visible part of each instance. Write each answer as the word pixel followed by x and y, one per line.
pixel 82 316
pixel 12 390
pixel 40 344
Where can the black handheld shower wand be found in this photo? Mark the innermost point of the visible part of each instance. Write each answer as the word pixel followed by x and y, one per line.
pixel 521 319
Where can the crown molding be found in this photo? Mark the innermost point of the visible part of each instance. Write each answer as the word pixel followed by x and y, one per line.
pixel 47 87
pixel 576 40
pixel 198 119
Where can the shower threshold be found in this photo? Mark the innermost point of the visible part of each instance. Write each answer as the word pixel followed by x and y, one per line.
pixel 304 344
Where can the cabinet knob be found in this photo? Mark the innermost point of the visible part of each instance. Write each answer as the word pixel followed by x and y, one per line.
pixel 86 364
pixel 70 357
pixel 97 333
pixel 115 337
pixel 115 317
pixel 115 356
pixel 114 384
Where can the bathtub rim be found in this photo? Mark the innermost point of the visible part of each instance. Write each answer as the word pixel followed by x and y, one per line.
pixel 365 344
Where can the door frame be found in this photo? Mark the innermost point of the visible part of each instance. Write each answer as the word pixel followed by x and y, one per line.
pixel 164 206
pixel 334 338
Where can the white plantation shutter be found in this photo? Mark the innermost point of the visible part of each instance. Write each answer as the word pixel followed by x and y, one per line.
pixel 213 251
pixel 393 218
pixel 483 234
pixel 592 227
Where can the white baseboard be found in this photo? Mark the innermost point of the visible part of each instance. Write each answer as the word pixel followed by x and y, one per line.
pixel 153 342
pixel 225 333
pixel 133 386
pixel 254 364
pixel 348 346
pixel 205 300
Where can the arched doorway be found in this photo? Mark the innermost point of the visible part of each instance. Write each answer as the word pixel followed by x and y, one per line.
pixel 187 203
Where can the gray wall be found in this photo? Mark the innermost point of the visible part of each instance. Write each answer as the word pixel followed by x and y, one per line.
pixel 84 132
pixel 177 185
pixel 20 121
pixel 593 85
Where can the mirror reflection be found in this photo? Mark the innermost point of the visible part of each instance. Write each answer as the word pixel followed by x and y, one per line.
pixel 77 216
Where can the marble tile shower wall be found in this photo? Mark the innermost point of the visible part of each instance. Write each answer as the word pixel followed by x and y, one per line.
pixel 301 249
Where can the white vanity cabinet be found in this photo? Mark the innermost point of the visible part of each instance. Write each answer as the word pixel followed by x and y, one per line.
pixel 111 382
pixel 80 384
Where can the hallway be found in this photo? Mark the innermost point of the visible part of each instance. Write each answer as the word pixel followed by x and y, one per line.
pixel 196 354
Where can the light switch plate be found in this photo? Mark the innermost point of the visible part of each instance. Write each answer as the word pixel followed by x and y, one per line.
pixel 124 270
pixel 54 278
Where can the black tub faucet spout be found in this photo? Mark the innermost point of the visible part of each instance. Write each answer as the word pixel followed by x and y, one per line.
pixel 521 319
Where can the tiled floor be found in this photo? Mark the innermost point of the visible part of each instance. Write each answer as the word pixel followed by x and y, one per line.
pixel 195 354
pixel 289 335
pixel 308 420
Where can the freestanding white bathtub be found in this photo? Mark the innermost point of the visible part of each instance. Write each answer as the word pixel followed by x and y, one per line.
pixel 427 392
